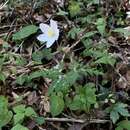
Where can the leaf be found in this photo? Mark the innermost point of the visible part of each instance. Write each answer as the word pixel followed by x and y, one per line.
pixel 89 34
pixel 57 104
pixel 25 32
pixel 6 118
pixel 2 77
pixel 40 120
pixel 76 103
pixel 38 56
pixel 74 8
pixel 19 127
pixel 114 116
pixel 123 112
pixel 18 118
pixel 21 79
pixel 19 109
pixel 125 124
pixel 101 24
pixel 73 32
pixel 30 112
pixel 5 115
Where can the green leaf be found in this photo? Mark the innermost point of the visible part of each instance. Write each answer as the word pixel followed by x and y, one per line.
pixel 114 116
pixel 25 32
pixel 19 127
pixel 30 112
pixel 57 104
pixel 101 24
pixel 19 109
pixel 20 61
pixel 18 118
pixel 5 115
pixel 89 34
pixel 21 79
pixel 74 32
pixel 74 8
pixel 40 120
pixel 125 124
pixel 2 77
pixel 76 103
pixel 38 56
pixel 123 112
pixel 5 118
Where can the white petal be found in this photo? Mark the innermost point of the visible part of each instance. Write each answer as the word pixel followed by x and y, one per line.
pixel 128 12
pixel 50 42
pixel 56 34
pixel 53 24
pixel 44 27
pixel 42 38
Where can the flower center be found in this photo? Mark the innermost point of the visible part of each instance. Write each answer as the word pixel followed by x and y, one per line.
pixel 51 33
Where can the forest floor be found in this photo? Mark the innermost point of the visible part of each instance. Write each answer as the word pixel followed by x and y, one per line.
pixel 64 65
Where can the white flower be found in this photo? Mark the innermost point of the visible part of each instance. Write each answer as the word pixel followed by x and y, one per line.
pixel 128 14
pixel 50 33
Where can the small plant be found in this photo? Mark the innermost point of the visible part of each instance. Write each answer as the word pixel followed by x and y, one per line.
pixel 117 110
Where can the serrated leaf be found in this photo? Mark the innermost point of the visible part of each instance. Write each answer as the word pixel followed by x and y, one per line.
pixel 57 104
pixel 25 32
pixel 19 127
pixel 123 112
pixel 114 116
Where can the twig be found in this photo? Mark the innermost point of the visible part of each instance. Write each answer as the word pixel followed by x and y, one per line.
pixel 75 120
pixel 3 5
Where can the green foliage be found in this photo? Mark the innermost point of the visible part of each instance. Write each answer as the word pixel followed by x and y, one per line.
pixel 2 77
pixel 19 127
pixel 5 114
pixel 101 25
pixel 73 32
pixel 74 8
pixel 21 79
pixel 57 104
pixel 21 112
pixel 116 110
pixel 39 120
pixel 85 97
pixel 25 32
pixel 38 56
pixel 124 32
pixel 125 124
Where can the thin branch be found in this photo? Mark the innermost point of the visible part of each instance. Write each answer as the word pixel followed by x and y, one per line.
pixel 75 120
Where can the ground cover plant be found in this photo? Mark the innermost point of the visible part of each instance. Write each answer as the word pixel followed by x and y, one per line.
pixel 64 65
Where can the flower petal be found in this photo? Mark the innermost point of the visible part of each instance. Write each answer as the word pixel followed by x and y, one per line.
pixel 53 24
pixel 42 38
pixel 50 42
pixel 44 27
pixel 56 34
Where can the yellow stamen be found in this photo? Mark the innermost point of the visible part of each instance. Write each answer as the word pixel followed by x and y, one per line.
pixel 50 32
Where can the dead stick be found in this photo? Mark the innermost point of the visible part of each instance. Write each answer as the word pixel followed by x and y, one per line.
pixel 75 120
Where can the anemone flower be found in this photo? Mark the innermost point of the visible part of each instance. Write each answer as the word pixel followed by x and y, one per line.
pixel 50 33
